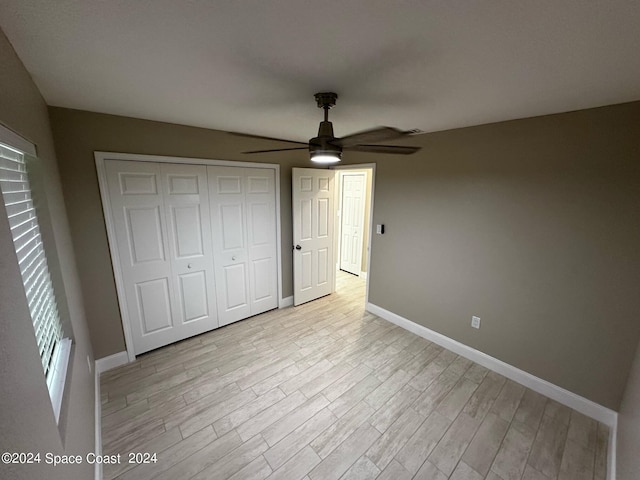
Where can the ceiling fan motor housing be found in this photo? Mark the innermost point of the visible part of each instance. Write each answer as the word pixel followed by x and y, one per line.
pixel 321 145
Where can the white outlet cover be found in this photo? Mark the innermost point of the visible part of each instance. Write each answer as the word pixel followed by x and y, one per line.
pixel 475 322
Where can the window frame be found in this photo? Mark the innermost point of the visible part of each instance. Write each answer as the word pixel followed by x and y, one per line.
pixel 59 360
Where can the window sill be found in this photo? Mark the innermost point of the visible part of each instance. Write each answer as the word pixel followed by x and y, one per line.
pixel 57 377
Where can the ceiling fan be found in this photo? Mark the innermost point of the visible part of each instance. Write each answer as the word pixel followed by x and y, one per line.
pixel 326 148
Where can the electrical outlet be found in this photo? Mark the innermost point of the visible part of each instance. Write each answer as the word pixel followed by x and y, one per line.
pixel 89 364
pixel 475 322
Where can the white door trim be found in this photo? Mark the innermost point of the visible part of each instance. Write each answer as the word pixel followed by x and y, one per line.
pixel 372 167
pixel 101 157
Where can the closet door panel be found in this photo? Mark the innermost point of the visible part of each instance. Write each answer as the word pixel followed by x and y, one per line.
pixel 228 226
pixel 261 239
pixel 186 199
pixel 137 208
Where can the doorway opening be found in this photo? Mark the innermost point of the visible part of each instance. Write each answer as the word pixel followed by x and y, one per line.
pixel 354 215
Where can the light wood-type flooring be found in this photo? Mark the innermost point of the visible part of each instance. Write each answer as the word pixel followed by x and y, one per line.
pixel 327 391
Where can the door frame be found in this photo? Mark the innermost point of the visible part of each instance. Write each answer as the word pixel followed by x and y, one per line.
pixel 372 168
pixel 102 157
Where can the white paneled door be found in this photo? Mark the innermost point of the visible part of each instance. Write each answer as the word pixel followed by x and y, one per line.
pixel 163 235
pixel 244 240
pixel 313 218
pixel 352 220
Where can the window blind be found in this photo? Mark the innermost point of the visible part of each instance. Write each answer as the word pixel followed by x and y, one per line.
pixel 16 193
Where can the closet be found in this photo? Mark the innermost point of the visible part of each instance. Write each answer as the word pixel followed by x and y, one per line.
pixel 196 246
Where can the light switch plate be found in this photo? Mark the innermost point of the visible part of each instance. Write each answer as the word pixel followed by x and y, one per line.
pixel 475 322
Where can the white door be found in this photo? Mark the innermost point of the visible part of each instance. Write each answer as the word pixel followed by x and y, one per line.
pixel 261 239
pixel 313 218
pixel 244 239
pixel 161 223
pixel 352 221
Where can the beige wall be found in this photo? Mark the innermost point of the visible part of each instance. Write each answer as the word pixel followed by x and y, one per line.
pixel 628 467
pixel 27 423
pixel 530 224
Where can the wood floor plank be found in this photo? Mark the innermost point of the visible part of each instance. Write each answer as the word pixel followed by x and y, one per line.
pixel 547 450
pixel 418 448
pixel 531 473
pixel 531 409
pixel 577 462
pixel 299 438
pixel 363 469
pixel 465 472
pixel 394 471
pixel 427 375
pixel 398 434
pixel 354 395
pixel 508 399
pixel 512 456
pixel 186 458
pixel 387 389
pixel 276 379
pixel 602 447
pixel 434 394
pixel 343 384
pixel 453 444
pixel 324 380
pixel 457 398
pixel 283 427
pixel 429 471
pixel 305 376
pixel 258 469
pixel 302 462
pixel 247 411
pixel 582 430
pixel 346 454
pixel 485 444
pixel 270 415
pixel 215 412
pixel 395 406
pixel 233 461
pixel 342 429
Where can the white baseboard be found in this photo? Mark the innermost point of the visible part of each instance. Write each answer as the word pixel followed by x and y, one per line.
pixel 98 424
pixel 110 362
pixel 559 394
pixel 286 302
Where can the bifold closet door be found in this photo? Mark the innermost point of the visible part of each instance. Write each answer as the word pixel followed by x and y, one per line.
pixel 244 239
pixel 163 234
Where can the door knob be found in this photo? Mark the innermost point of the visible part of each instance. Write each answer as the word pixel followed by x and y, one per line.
pixel 233 258
pixel 189 266
pixel 298 247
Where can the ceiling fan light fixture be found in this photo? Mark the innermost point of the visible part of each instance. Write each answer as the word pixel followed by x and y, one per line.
pixel 325 157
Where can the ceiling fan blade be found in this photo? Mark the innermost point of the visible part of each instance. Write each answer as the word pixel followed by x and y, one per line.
pixel 248 135
pixel 374 135
pixel 278 150
pixel 393 149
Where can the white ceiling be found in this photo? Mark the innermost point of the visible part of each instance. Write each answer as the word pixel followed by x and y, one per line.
pixel 254 65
